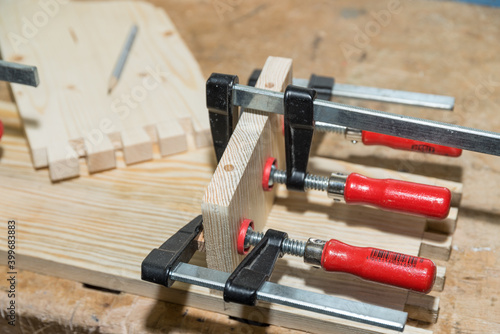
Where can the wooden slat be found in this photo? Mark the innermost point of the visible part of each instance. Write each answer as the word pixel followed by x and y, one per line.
pixel 436 245
pixel 448 225
pixel 440 279
pixel 422 307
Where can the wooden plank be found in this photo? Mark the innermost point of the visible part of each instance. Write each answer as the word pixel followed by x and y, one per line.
pixel 235 191
pixel 192 296
pixel 160 94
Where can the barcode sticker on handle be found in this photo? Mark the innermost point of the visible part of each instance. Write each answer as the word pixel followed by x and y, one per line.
pixel 392 257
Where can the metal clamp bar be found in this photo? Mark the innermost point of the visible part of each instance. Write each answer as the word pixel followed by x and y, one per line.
pixel 387 95
pixel 376 121
pixel 301 299
pixel 19 73
pixel 394 96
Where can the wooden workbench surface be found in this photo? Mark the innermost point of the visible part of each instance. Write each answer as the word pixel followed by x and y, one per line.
pixel 435 47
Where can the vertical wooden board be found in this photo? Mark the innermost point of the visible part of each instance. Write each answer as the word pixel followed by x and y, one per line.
pixel 235 191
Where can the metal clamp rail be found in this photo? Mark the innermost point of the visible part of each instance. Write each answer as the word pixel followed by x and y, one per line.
pixel 373 120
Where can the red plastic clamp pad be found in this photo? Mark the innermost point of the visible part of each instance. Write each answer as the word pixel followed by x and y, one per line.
pixel 1 129
pixel 400 196
pixel 270 162
pixel 241 236
pixel 373 138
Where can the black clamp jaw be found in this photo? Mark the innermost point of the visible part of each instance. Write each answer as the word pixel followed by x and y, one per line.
pixel 241 286
pixel 157 267
pixel 322 85
pixel 299 129
pixel 223 114
pixel 255 269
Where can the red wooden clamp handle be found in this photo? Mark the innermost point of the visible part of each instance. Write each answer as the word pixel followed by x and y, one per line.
pixel 400 196
pixel 373 138
pixel 377 265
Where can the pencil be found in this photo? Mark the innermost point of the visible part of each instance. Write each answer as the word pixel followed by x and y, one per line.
pixel 120 64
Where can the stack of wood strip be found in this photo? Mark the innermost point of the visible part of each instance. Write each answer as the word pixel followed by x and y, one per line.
pixel 159 98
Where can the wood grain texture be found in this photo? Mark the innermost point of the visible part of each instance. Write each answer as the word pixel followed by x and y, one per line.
pixel 235 191
pixel 159 98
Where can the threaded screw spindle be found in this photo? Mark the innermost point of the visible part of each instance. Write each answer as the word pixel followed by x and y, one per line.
pixel 289 246
pixel 311 181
